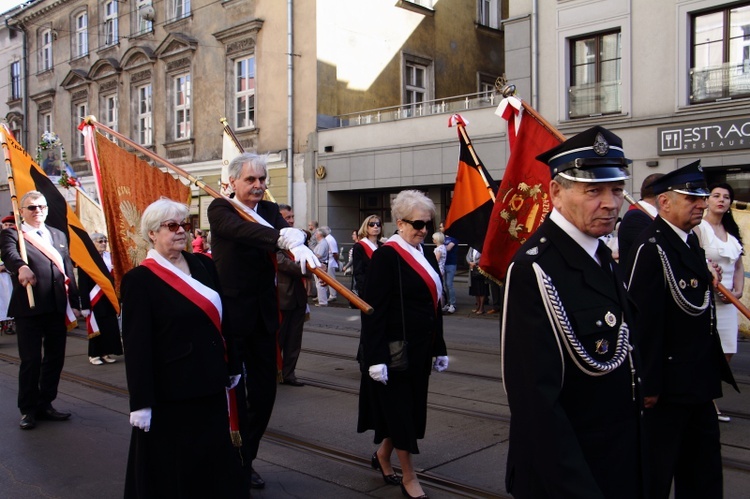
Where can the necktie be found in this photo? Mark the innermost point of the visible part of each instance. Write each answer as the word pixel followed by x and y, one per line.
pixel 692 241
pixel 605 257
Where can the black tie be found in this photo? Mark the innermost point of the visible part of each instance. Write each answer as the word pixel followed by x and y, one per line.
pixel 605 257
pixel 692 241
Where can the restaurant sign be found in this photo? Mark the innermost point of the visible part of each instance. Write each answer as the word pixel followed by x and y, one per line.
pixel 705 137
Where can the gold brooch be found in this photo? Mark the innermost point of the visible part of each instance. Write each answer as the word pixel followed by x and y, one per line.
pixel 610 319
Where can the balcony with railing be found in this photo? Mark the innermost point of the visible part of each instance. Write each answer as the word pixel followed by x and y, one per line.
pixel 450 105
pixel 724 82
pixel 594 99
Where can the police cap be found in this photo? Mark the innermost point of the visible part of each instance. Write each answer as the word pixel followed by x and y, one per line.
pixel 687 180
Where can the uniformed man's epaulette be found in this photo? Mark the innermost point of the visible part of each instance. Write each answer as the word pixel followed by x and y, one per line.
pixel 533 250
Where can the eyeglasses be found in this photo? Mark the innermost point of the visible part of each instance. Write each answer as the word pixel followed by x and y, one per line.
pixel 373 224
pixel 101 241
pixel 34 207
pixel 174 226
pixel 417 224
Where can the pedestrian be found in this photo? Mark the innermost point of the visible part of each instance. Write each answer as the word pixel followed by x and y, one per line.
pixel 179 366
pixel 7 325
pixel 44 327
pixel 293 306
pixel 245 258
pixel 198 243
pixel 479 288
pixel 636 219
pixel 333 260
pixel 451 267
pixel 671 285
pixel 101 317
pixel 569 368
pixel 369 241
pixel 321 252
pixel 403 287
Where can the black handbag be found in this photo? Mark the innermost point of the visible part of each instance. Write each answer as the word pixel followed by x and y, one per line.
pixel 399 357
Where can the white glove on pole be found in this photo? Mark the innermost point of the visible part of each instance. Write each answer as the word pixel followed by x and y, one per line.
pixel 305 257
pixel 141 419
pixel 441 363
pixel 234 380
pixel 379 372
pixel 289 238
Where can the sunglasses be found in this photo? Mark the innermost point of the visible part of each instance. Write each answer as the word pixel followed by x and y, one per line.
pixel 34 207
pixel 101 241
pixel 417 224
pixel 174 226
pixel 373 224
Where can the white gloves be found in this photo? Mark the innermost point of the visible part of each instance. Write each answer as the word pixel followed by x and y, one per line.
pixel 441 363
pixel 234 380
pixel 379 372
pixel 85 313
pixel 289 238
pixel 304 256
pixel 141 419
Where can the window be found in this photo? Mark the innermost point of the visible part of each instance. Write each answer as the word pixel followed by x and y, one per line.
pixel 245 93
pixel 15 80
pixel 488 14
pixel 81 37
pixel 720 55
pixel 415 87
pixel 80 111
pixel 145 130
pixel 109 111
pixel 45 122
pixel 143 25
pixel 595 75
pixel 180 8
pixel 111 35
pixel 182 106
pixel 45 50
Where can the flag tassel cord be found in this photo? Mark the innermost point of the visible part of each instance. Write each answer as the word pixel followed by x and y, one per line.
pixel 343 290
pixel 719 286
pixel 16 213
pixel 228 129
pixel 462 131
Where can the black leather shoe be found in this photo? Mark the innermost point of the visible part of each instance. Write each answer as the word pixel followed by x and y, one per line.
pixel 50 414
pixel 392 479
pixel 256 482
pixel 406 494
pixel 28 422
pixel 293 382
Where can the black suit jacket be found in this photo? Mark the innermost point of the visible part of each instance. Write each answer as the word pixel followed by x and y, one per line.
pixel 172 349
pixel 571 434
pixel 245 257
pixel 49 291
pixel 633 223
pixel 682 357
pixel 292 292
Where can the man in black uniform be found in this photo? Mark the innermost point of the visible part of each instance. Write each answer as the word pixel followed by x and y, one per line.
pixel 568 368
pixel 683 363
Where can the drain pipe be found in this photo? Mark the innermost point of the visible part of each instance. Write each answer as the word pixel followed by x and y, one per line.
pixel 24 98
pixel 290 104
pixel 535 54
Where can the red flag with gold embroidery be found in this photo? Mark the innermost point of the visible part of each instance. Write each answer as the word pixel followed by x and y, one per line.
pixel 523 200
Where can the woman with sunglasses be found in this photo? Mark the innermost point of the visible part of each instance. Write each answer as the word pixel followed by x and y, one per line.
pixel 369 241
pixel 180 370
pixel 403 286
pixel 101 317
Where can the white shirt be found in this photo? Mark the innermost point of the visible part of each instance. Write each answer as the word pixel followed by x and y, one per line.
pixel 333 247
pixel 588 243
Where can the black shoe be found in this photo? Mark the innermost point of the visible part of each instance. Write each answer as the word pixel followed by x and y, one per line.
pixel 406 494
pixel 256 482
pixel 50 414
pixel 392 479
pixel 293 382
pixel 28 422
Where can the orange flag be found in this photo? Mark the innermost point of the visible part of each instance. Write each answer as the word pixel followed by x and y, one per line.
pixel 522 201
pixel 129 185
pixel 28 176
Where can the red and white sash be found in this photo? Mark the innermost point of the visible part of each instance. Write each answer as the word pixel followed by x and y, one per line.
pixel 208 301
pixel 40 243
pixel 415 258
pixel 95 295
pixel 369 246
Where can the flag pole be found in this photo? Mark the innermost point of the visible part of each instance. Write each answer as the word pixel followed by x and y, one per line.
pixel 16 213
pixel 719 286
pixel 266 195
pixel 465 136
pixel 343 290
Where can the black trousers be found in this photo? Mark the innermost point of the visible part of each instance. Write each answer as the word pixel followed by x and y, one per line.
pixel 290 340
pixel 683 443
pixel 39 374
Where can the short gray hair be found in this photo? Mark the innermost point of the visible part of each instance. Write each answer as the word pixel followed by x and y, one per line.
pixel 31 195
pixel 258 162
pixel 404 204
pixel 158 211
pixel 95 236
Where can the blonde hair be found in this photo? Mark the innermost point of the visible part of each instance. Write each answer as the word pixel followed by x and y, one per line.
pixel 362 232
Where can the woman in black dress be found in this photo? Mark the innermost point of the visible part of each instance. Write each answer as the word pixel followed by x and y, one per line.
pixel 177 371
pixel 368 241
pixel 403 286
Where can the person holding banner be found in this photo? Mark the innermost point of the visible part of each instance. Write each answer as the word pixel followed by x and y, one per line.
pixel 245 256
pixel 49 271
pixel 404 288
pixel 180 367
pixel 570 367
